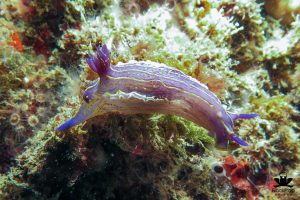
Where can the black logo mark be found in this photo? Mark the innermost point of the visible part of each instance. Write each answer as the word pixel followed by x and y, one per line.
pixel 283 181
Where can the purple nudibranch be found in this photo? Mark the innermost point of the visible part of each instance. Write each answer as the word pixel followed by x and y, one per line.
pixel 147 87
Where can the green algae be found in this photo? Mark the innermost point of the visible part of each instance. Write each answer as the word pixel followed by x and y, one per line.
pixel 275 108
pixel 185 133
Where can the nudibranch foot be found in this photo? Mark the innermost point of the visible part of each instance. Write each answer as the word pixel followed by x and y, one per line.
pixel 144 87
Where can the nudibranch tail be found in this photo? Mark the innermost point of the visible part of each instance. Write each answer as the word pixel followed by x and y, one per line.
pixel 235 117
pixel 243 116
pixel 247 116
pixel 238 140
pixel 100 62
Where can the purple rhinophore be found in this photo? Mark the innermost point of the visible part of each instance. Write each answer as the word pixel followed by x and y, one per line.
pixel 101 62
pixel 148 87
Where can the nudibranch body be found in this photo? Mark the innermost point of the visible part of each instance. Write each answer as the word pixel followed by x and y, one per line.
pixel 149 87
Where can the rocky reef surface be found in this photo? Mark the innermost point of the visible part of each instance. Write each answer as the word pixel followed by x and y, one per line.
pixel 247 52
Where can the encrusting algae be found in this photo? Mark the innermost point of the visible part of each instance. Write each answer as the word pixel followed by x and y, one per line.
pixel 246 52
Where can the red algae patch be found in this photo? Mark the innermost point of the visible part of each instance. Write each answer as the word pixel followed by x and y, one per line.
pixel 16 42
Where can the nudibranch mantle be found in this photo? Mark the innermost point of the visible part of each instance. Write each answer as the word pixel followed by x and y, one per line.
pixel 145 87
